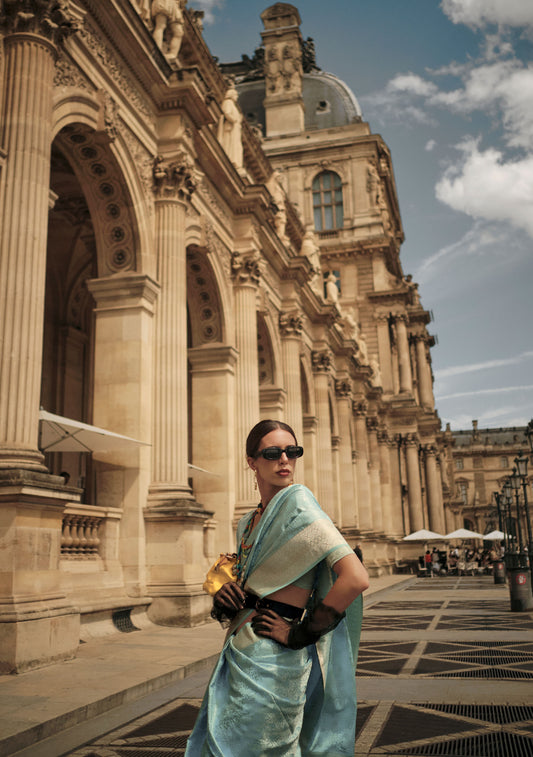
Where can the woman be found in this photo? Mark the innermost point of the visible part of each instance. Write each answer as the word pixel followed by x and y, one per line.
pixel 284 685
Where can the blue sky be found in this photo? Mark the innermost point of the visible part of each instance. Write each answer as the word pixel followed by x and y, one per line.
pixel 449 86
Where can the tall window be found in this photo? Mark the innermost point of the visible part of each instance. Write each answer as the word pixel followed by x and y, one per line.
pixel 327 201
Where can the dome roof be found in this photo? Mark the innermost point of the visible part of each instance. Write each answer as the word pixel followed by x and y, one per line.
pixel 328 101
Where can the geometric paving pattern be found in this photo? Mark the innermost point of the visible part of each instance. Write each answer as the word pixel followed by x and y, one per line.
pixel 441 728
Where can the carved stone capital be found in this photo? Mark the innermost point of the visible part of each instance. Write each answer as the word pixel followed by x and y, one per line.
pixel 50 19
pixel 343 389
pixel 176 178
pixel 411 440
pixel 383 435
pixel 322 361
pixel 360 408
pixel 246 267
pixel 372 423
pixel 430 450
pixel 290 323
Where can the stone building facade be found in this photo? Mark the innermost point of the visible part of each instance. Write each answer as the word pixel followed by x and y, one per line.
pixel 175 264
pixel 479 463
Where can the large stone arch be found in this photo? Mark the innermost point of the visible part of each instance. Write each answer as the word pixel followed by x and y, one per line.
pixel 106 194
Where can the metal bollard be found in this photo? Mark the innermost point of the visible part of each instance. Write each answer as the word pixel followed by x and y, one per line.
pixel 498 571
pixel 520 589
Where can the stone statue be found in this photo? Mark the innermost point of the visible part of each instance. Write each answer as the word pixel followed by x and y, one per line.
pixel 167 16
pixel 230 127
pixel 311 251
pixel 332 292
pixel 276 190
pixel 376 379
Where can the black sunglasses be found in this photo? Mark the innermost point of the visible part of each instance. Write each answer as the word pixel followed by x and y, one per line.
pixel 275 453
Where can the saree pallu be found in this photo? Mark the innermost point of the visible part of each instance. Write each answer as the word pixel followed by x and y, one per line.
pixel 263 699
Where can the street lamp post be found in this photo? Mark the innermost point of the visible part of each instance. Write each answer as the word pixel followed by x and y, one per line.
pixel 514 480
pixel 518 574
pixel 521 468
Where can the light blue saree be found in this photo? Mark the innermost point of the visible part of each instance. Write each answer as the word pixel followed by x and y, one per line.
pixel 264 700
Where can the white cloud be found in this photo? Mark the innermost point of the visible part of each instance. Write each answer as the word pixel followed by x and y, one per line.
pixel 459 370
pixel 480 12
pixel 430 145
pixel 412 83
pixel 483 185
pixel 481 392
pixel 480 239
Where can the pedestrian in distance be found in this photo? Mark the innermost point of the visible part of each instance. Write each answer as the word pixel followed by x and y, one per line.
pixel 284 683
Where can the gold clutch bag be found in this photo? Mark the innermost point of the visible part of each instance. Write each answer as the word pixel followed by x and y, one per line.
pixel 221 572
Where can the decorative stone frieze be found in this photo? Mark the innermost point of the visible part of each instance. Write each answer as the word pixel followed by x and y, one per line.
pixel 360 407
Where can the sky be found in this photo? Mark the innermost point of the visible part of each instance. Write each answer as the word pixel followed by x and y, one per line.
pixel 449 86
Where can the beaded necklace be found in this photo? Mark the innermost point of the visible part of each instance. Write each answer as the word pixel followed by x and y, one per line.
pixel 245 546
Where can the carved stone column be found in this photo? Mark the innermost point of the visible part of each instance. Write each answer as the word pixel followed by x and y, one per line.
pixel 425 386
pixel 246 273
pixel 404 360
pixel 416 516
pixel 434 490
pixel 174 182
pixel 32 31
pixel 384 350
pixel 374 473
pixel 400 516
pixel 290 326
pixel 348 516
pixel 385 480
pixel 322 364
pixel 364 504
pixel 37 623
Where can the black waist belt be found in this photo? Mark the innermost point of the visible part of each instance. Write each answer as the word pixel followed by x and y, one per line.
pixel 253 602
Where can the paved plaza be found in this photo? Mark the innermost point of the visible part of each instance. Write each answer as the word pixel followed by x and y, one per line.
pixel 445 668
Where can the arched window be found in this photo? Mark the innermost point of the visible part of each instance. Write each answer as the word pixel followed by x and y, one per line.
pixel 327 201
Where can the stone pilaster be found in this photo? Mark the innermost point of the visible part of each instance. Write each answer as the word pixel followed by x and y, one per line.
pixel 348 517
pixel 374 473
pixel 364 504
pixel 175 180
pixel 32 31
pixel 385 480
pixel 123 391
pixel 384 349
pixel 290 327
pixel 404 359
pixel 434 490
pixel 414 489
pixel 425 386
pixel 213 440
pixel 322 364
pixel 247 273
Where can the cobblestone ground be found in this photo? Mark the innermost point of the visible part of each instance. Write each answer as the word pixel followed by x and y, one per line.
pixel 445 668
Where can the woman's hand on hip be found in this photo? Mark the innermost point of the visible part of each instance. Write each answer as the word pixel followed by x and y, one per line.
pixel 230 597
pixel 271 625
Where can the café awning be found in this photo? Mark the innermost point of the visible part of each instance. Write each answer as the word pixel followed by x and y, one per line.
pixel 59 434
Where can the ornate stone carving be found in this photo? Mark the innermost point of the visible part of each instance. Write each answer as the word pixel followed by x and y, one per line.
pixel 115 68
pixel 360 408
pixel 322 361
pixel 51 19
pixel 176 178
pixel 67 74
pixel 290 324
pixel 372 423
pixel 332 292
pixel 283 68
pixel 343 389
pixel 311 250
pixel 246 268
pixel 111 119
